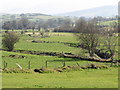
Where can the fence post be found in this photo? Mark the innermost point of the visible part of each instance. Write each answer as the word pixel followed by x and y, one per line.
pixel 63 63
pixel 77 63
pixel 29 65
pixel 46 64
pixel 4 64
pixel 111 62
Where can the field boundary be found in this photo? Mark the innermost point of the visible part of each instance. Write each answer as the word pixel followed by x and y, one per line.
pixel 64 55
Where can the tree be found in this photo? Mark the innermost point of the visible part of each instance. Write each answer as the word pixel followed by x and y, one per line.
pixel 24 23
pixel 88 34
pixel 33 26
pixel 97 40
pixel 67 24
pixel 51 23
pixel 13 24
pixel 45 26
pixel 64 25
pixel 6 25
pixel 9 40
pixel 39 27
pixel 39 24
pixel 107 49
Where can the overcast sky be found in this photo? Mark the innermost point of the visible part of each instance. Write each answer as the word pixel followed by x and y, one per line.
pixel 50 6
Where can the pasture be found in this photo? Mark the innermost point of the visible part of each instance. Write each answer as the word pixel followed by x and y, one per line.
pixel 74 79
pixel 88 78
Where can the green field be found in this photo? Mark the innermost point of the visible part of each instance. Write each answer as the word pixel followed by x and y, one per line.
pixel 25 44
pixel 88 78
pixel 108 22
pixel 38 61
pixel 74 79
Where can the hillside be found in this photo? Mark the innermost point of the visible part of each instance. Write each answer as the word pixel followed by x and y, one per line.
pixel 105 11
pixel 30 16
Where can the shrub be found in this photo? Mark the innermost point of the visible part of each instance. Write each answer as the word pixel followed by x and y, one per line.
pixel 9 40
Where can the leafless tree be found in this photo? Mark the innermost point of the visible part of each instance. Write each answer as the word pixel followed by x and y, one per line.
pixel 24 23
pixel 88 34
pixel 33 26
pixel 109 41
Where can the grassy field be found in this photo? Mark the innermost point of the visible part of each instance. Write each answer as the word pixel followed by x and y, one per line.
pixel 25 44
pixel 108 22
pixel 106 78
pixel 38 61
pixel 89 78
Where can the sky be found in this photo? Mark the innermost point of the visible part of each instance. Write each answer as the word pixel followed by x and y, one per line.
pixel 50 6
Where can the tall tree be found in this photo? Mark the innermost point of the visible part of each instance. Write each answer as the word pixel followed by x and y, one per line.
pixel 24 22
pixel 33 26
pixel 88 34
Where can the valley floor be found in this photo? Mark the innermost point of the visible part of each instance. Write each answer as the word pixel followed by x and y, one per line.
pixel 91 78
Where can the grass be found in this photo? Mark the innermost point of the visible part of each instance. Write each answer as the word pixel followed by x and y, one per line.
pixel 100 78
pixel 108 22
pixel 24 44
pixel 106 78
pixel 46 47
pixel 38 61
pixel 62 38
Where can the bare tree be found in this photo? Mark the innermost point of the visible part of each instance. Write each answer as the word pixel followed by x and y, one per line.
pixel 39 27
pixel 13 24
pixel 39 24
pixel 88 34
pixel 24 23
pixel 33 26
pixel 108 43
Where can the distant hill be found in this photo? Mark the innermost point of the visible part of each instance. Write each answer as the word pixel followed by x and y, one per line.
pixel 105 11
pixel 30 16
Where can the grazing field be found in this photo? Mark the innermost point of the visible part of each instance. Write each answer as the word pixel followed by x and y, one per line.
pixel 108 22
pixel 106 78
pixel 25 44
pixel 38 61
pixel 87 78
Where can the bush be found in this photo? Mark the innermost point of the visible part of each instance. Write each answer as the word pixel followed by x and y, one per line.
pixel 9 39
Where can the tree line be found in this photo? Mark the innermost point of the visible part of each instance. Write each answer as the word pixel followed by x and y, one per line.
pixel 90 35
pixel 66 24
pixel 24 23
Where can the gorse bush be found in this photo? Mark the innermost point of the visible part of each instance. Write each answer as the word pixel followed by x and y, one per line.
pixel 9 40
